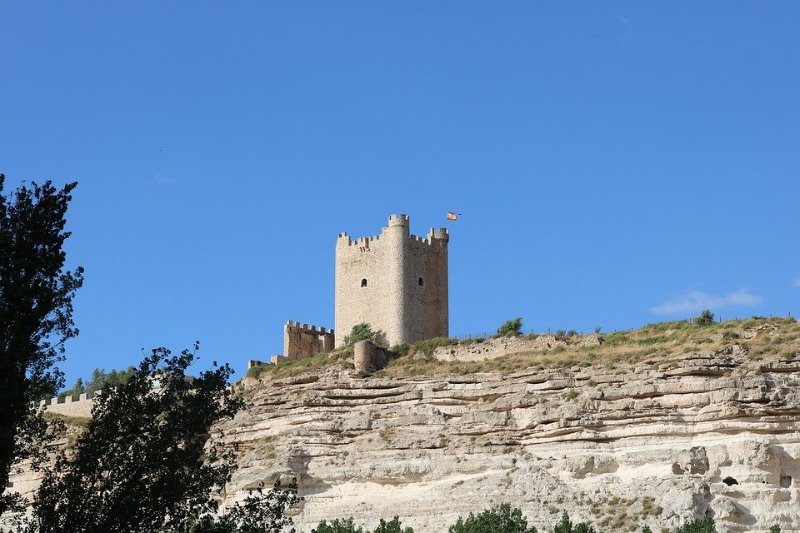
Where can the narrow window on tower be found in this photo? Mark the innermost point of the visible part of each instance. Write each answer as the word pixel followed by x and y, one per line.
pixel 364 282
pixel 421 283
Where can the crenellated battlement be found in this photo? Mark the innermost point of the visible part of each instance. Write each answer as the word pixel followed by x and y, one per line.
pixel 302 340
pixel 305 328
pixel 395 281
pixel 399 220
pixel 435 237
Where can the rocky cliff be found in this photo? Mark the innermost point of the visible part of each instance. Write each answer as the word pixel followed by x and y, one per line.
pixel 711 432
pixel 653 426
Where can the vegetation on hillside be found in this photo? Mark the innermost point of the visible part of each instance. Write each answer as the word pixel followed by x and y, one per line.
pixel 758 337
pixel 505 519
pixel 100 380
pixel 510 328
pixel 360 332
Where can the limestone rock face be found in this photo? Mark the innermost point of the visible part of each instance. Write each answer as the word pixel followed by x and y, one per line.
pixel 706 435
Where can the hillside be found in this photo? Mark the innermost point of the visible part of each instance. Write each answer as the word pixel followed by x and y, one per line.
pixel 653 426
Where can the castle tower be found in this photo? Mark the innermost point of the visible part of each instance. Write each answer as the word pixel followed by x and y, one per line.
pixel 395 282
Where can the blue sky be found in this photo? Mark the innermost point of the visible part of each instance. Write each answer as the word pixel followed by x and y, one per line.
pixel 616 163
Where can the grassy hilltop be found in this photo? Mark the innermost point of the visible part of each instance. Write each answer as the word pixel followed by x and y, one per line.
pixel 755 338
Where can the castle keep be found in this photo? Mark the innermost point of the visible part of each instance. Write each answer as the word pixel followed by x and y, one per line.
pixel 395 282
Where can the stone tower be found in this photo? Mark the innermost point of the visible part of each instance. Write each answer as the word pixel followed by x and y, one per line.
pixel 396 282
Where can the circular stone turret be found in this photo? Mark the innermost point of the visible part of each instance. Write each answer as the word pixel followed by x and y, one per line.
pixel 367 357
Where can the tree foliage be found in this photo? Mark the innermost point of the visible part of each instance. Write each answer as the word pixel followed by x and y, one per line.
pixel 142 464
pixel 339 525
pixel 566 526
pixel 502 519
pixel 360 332
pixel 705 318
pixel 706 525
pixel 510 328
pixel 258 513
pixel 392 526
pixel 100 380
pixel 35 311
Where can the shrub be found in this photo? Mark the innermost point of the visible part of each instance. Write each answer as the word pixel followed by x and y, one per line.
pixel 400 349
pixel 337 526
pixel 705 318
pixel 775 529
pixel 360 332
pixel 347 526
pixel 428 346
pixel 510 328
pixel 503 518
pixel 706 525
pixel 256 371
pixel 566 526
pixel 392 526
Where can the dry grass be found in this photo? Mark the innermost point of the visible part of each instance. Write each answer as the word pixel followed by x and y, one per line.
pixel 653 343
pixel 658 343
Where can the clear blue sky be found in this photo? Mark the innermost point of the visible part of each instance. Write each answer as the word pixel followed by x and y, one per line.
pixel 616 163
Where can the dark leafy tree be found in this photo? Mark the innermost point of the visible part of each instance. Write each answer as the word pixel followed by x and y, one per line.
pixel 646 529
pixel 503 519
pixel 392 526
pixel 566 526
pixel 510 328
pixel 339 525
pixel 35 312
pixel 142 464
pixel 360 332
pixel 706 525
pixel 259 513
pixel 775 529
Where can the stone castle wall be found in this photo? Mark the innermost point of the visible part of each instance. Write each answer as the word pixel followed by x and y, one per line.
pixel 395 281
pixel 81 408
pixel 300 340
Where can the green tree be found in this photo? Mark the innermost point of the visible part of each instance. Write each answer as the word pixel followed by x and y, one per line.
pixel 142 465
pixel 646 529
pixel 502 519
pixel 705 318
pixel 75 391
pixel 510 328
pixel 566 526
pixel 338 526
pixel 258 513
pixel 392 526
pixel 775 529
pixel 706 525
pixel 101 379
pixel 360 332
pixel 35 313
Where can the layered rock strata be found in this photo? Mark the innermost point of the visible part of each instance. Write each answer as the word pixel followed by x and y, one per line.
pixel 708 434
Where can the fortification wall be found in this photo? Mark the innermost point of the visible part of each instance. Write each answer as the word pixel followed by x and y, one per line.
pixel 395 281
pixel 82 407
pixel 302 340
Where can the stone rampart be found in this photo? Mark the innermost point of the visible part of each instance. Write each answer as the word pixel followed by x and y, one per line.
pixel 68 406
pixel 302 340
pixel 500 346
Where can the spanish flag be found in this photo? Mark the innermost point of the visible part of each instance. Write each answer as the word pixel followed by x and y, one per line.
pixel 452 216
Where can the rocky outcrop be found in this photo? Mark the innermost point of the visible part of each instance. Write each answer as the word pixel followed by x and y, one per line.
pixel 714 434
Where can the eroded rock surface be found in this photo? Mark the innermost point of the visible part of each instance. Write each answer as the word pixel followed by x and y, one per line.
pixel 708 434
